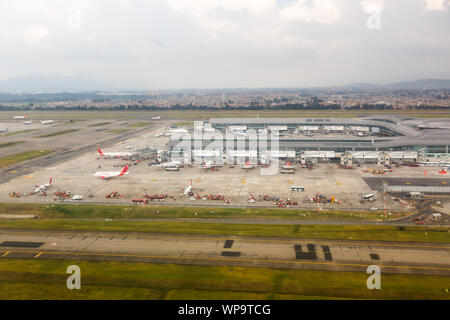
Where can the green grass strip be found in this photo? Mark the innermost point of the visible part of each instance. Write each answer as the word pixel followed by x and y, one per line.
pixel 46 279
pixel 10 144
pixel 57 133
pixel 99 124
pixel 353 232
pixel 23 156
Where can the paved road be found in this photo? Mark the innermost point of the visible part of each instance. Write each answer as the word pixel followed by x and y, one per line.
pixel 424 212
pixel 336 255
pixel 376 183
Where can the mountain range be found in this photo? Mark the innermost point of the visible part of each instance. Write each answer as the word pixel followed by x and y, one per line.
pixel 51 83
pixel 421 84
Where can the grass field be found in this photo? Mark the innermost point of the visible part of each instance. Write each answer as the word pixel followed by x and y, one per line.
pixel 100 124
pixel 22 156
pixel 344 232
pixel 129 211
pixel 17 132
pixel 117 130
pixel 10 144
pixel 46 279
pixel 57 133
pixel 137 125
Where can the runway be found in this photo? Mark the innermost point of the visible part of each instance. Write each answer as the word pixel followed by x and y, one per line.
pixel 336 255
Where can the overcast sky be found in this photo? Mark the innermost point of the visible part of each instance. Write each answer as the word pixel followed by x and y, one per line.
pixel 157 44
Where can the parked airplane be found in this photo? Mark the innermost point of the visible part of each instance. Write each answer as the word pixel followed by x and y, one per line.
pixel 19 117
pixel 114 154
pixel 110 175
pixel 28 122
pixel 178 131
pixel 188 190
pixel 369 196
pixel 43 187
pixel 174 163
pixel 46 122
pixel 156 118
pixel 209 165
pixel 288 166
pixel 4 130
pixel 248 165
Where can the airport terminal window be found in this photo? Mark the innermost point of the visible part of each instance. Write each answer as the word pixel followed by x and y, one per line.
pixel 436 149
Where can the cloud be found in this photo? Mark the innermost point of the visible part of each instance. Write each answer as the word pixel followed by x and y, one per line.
pixel 215 43
pixel 227 15
pixel 35 33
pixel 372 6
pixel 436 5
pixel 318 11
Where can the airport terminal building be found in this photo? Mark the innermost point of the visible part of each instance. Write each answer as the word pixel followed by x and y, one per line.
pixel 375 139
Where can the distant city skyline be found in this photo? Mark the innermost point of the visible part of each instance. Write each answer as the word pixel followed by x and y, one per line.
pixel 176 44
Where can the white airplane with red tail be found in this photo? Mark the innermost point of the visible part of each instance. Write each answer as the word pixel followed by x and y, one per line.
pixel 114 154
pixel 248 166
pixel 109 175
pixel 288 166
pixel 43 187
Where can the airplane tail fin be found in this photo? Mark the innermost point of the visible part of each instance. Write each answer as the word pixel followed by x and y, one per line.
pixel 50 182
pixel 124 171
pixel 100 151
pixel 247 163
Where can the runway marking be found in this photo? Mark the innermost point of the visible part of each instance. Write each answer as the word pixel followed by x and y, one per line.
pixel 224 239
pixel 222 259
